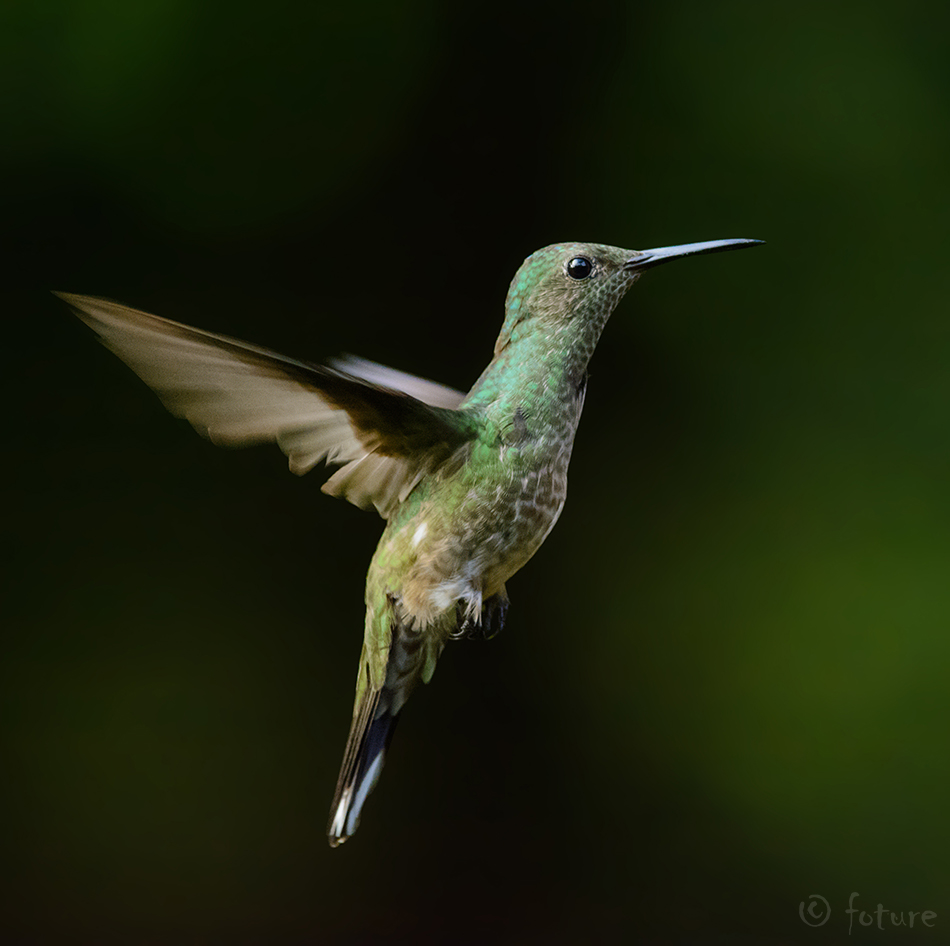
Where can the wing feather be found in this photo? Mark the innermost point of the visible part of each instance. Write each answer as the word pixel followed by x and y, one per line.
pixel 387 427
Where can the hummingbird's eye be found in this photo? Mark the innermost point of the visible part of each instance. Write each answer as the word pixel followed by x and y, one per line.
pixel 579 268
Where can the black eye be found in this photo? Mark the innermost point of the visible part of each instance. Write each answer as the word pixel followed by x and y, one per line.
pixel 579 268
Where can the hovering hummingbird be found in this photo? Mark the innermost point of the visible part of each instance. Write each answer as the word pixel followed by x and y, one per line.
pixel 469 485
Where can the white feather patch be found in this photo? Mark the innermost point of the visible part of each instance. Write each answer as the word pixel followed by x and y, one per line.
pixel 419 534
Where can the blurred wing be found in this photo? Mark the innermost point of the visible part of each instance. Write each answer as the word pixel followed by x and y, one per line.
pixel 437 395
pixel 375 420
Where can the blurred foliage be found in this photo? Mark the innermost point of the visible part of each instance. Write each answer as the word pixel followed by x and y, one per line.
pixel 212 116
pixel 723 685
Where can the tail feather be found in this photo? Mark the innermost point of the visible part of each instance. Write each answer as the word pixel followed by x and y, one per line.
pixel 370 736
pixel 389 672
pixel 401 665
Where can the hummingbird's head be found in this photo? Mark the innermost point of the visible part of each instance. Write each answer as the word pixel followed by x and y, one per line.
pixel 575 286
pixel 562 284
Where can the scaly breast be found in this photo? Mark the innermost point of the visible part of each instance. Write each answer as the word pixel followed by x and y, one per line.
pixel 475 529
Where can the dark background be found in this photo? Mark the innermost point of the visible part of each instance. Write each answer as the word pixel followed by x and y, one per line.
pixel 723 686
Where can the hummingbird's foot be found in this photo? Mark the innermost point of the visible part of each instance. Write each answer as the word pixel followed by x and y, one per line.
pixel 494 612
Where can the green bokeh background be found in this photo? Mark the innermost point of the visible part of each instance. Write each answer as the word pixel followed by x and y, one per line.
pixel 724 683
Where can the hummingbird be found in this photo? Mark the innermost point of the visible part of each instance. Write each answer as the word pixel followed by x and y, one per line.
pixel 469 485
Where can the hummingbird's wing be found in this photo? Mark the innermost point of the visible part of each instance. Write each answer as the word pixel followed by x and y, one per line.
pixel 387 427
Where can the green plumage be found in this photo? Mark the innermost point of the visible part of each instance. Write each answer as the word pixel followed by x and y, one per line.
pixel 469 486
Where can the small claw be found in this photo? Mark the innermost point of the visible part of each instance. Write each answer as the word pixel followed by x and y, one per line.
pixel 494 613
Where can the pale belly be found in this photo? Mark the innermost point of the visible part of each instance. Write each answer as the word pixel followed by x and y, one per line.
pixel 462 546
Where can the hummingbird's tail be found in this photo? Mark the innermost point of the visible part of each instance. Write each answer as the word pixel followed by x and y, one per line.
pixel 370 734
pixel 408 660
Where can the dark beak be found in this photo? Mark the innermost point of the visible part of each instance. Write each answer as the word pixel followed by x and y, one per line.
pixel 647 258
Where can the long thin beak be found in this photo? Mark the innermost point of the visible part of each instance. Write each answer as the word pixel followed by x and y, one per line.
pixel 647 258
